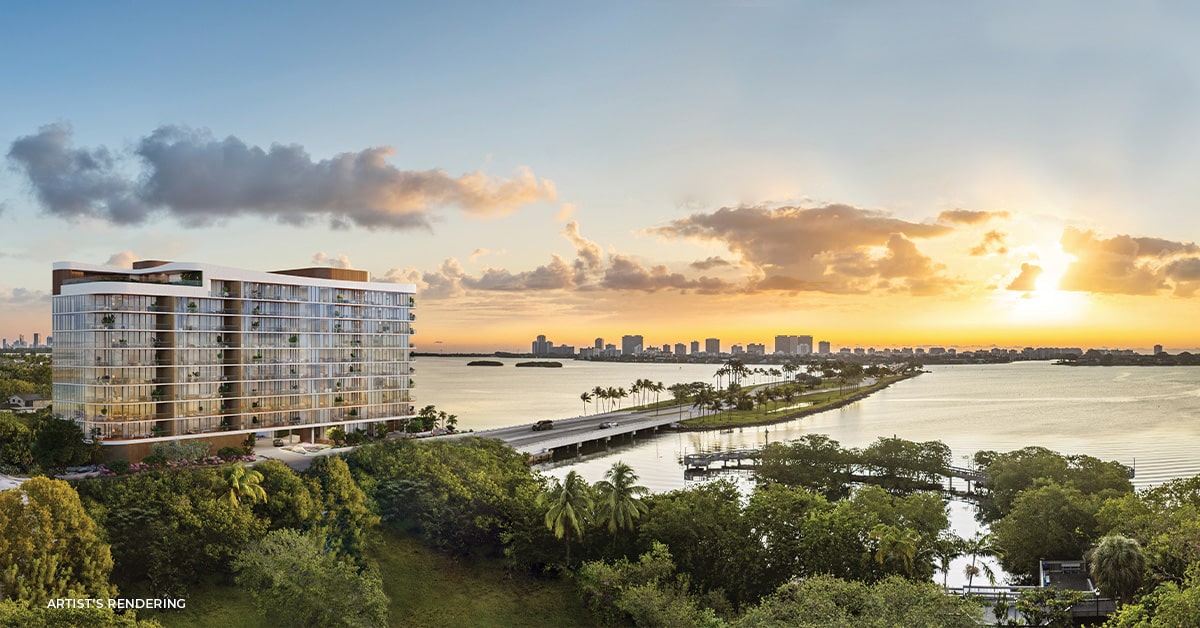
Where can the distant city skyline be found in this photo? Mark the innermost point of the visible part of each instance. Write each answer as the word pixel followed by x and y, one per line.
pixel 903 174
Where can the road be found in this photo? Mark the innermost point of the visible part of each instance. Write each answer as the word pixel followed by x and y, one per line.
pixel 577 430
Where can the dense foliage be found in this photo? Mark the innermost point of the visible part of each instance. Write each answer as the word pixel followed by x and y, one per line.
pixel 49 547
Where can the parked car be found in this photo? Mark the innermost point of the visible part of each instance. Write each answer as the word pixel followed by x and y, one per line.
pixel 278 442
pixel 544 424
pixel 607 424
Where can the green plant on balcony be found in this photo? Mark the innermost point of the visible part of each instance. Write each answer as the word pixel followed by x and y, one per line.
pixel 255 324
pixel 338 399
pixel 256 309
pixel 190 275
pixel 156 394
pixel 341 298
pixel 191 306
pixel 257 357
pixel 223 389
pixel 353 411
pixel 253 404
pixel 109 320
pixel 226 425
pixel 157 430
pixel 293 339
pixel 337 327
pixel 412 302
pixel 293 371
pixel 254 419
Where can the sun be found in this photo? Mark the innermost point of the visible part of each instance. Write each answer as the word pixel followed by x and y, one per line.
pixel 1046 303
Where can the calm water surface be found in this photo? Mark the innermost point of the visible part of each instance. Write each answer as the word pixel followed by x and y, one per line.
pixel 1147 417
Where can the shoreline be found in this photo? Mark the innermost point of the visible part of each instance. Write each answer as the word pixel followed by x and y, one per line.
pixel 798 414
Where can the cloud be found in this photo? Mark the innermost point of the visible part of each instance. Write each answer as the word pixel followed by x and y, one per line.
pixel 557 275
pixel 123 259
pixel 1026 281
pixel 993 242
pixel 968 217
pixel 565 213
pixel 341 261
pixel 199 180
pixel 1128 265
pixel 834 248
pixel 23 296
pixel 75 183
pixel 710 262
pixel 626 274
pixel 589 258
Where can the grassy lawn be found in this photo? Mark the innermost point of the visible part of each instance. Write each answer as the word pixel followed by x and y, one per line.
pixel 816 402
pixel 431 589
pixel 426 589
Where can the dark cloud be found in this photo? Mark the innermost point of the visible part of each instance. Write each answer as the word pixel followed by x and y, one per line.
pixel 200 179
pixel 1129 265
pixel 710 263
pixel 75 183
pixel 993 242
pixel 1027 279
pixel 829 249
pixel 968 217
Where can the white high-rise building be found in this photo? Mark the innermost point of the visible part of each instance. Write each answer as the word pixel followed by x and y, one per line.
pixel 180 350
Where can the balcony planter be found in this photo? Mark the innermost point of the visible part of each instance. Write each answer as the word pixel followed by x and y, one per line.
pixel 353 411
pixel 191 306
pixel 254 324
pixel 109 321
pixel 293 339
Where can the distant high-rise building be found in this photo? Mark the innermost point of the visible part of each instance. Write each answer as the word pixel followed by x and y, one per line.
pixel 599 344
pixel 823 347
pixel 1157 349
pixel 695 347
pixel 756 349
pixel 541 346
pixel 712 345
pixel 785 345
pixel 804 345
pixel 631 345
pixel 35 339
pixel 680 348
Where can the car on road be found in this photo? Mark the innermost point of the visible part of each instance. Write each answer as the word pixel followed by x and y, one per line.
pixel 544 424
pixel 608 424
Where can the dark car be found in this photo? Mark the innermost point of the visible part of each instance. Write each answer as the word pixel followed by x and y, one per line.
pixel 544 424
pixel 608 424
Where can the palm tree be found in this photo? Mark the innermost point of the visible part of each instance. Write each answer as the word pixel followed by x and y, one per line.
pixel 618 500
pixel 243 482
pixel 569 508
pixel 975 547
pixel 1117 566
pixel 946 548
pixel 896 545
pixel 636 387
pixel 586 398
pixel 657 388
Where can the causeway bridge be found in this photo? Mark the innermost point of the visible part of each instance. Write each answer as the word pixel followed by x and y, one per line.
pixel 571 434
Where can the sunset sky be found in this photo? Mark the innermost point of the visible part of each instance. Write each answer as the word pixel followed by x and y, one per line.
pixel 872 173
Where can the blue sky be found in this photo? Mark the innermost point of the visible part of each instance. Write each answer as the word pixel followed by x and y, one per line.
pixel 626 119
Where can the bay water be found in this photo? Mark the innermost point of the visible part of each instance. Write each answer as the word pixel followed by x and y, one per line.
pixel 1144 417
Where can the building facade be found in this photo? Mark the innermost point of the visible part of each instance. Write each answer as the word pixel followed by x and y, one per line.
pixel 174 351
